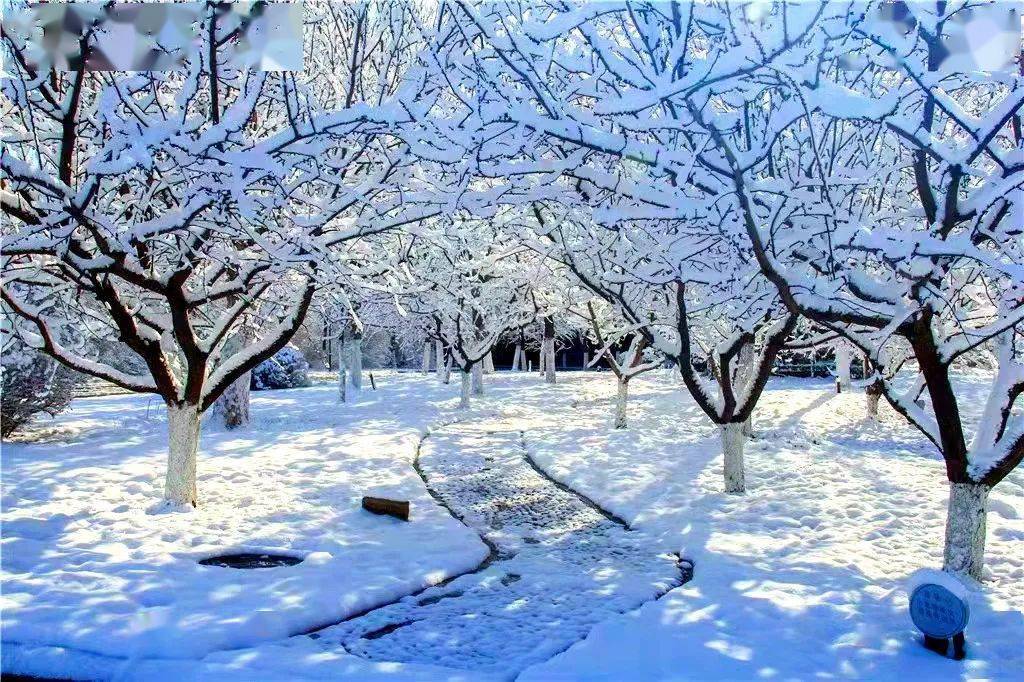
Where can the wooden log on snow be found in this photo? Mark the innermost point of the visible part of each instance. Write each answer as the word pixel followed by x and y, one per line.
pixel 381 505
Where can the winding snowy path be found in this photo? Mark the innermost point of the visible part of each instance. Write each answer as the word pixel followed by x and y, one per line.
pixel 559 565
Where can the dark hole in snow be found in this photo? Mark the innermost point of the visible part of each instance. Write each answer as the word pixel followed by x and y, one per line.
pixel 251 560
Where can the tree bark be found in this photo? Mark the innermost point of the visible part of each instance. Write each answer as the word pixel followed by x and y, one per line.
pixel 549 362
pixel 515 358
pixel 733 441
pixel 744 375
pixel 425 367
pixel 964 552
pixel 620 404
pixel 182 444
pixel 342 374
pixel 464 393
pixel 873 392
pixel 477 375
pixel 439 369
pixel 396 351
pixel 548 350
pixel 488 363
pixel 447 377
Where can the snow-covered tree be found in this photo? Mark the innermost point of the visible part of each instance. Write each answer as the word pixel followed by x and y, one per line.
pixel 168 212
pixel 879 197
pixel 32 384
pixel 610 330
pixel 599 134
pixel 464 277
pixel 919 153
pixel 689 292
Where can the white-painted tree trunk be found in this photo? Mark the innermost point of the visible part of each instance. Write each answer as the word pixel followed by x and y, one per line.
pixel 549 361
pixel 354 356
pixel 965 529
pixel 182 444
pixel 843 361
pixel 425 368
pixel 465 390
pixel 447 376
pixel 515 358
pixel 477 375
pixel 488 363
pixel 439 366
pixel 733 441
pixel 620 404
pixel 342 374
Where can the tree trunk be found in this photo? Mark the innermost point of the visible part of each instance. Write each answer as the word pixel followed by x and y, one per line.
pixel 233 404
pixel 396 351
pixel 843 360
pixel 873 392
pixel 744 375
pixel 515 358
pixel 342 373
pixel 439 369
pixel 425 367
pixel 965 529
pixel 354 357
pixel 477 375
pixel 732 453
pixel 547 349
pixel 488 363
pixel 182 443
pixel 447 370
pixel 464 393
pixel 620 404
pixel 549 361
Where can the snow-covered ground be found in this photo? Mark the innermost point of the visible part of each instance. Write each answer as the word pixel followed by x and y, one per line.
pixel 804 576
pixel 87 565
pixel 801 577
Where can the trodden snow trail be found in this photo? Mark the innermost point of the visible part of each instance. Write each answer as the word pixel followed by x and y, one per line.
pixel 559 565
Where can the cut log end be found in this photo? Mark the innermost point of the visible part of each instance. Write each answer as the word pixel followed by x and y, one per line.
pixel 380 505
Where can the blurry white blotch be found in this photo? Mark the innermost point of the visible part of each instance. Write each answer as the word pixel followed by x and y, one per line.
pixel 984 38
pixel 974 38
pixel 158 36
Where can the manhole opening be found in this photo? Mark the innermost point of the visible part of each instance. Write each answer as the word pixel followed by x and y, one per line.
pixel 251 560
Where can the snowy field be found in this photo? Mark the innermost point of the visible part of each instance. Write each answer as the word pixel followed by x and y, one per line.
pixel 802 577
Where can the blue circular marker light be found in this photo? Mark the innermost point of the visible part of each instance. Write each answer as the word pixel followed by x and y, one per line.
pixel 937 612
